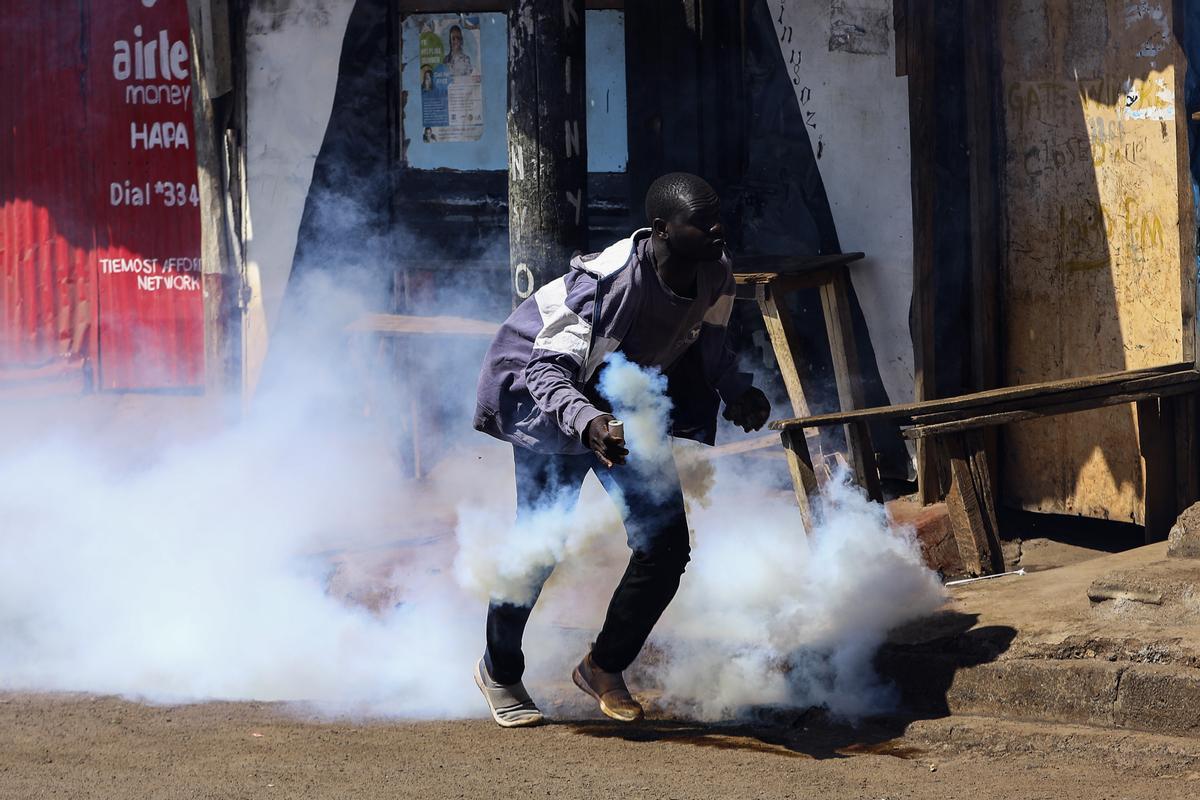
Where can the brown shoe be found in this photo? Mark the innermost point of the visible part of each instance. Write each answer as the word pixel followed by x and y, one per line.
pixel 609 690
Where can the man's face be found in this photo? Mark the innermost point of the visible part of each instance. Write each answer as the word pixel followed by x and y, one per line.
pixel 696 233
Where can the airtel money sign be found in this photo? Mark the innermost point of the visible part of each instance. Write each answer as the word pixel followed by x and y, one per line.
pixel 151 317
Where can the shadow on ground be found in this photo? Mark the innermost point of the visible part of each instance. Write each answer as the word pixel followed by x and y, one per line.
pixel 920 659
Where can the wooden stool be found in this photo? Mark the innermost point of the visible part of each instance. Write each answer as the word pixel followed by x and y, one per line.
pixel 770 278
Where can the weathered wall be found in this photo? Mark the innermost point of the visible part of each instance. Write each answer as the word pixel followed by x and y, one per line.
pixel 1098 269
pixel 292 52
pixel 843 70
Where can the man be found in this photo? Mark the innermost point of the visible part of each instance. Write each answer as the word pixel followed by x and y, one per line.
pixel 662 298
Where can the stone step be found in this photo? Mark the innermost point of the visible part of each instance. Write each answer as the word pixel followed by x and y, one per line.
pixel 1158 698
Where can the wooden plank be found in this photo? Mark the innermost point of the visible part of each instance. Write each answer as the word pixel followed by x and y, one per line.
pixel 782 283
pixel 923 95
pixel 971 511
pixel 785 264
pixel 402 324
pixel 985 494
pixel 744 446
pixel 983 124
pixel 1150 383
pixel 984 198
pixel 982 399
pixel 962 525
pixel 1006 417
pixel 835 302
pixel 778 322
pixel 804 480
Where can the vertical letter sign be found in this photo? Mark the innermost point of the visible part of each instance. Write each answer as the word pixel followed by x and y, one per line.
pixel 139 114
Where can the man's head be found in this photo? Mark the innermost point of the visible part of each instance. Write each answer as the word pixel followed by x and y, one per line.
pixel 685 213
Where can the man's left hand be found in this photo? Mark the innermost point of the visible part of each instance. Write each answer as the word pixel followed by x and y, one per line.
pixel 750 411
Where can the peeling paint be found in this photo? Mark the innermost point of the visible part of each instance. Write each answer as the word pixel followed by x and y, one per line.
pixel 1141 104
pixel 1151 14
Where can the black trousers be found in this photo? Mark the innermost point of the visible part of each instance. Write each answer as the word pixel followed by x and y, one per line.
pixel 657 532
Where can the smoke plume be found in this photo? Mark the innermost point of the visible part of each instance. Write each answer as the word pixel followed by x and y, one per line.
pixel 288 558
pixel 766 615
pixel 638 397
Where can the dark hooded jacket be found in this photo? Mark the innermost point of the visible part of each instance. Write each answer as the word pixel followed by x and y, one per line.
pixel 537 385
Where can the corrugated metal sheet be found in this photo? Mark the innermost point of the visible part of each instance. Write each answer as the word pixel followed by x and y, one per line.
pixel 97 291
pixel 47 277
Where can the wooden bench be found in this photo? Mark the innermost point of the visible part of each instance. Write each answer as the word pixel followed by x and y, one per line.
pixel 767 280
pixel 1166 406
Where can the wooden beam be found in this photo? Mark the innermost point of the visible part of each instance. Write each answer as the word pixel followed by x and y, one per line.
pixel 922 430
pixel 970 504
pixel 785 264
pixel 984 198
pixel 984 139
pixel 804 480
pixel 547 141
pixel 782 333
pixel 835 302
pixel 741 447
pixel 404 324
pixel 922 115
pixel 1049 391
pixel 1131 385
pixel 781 283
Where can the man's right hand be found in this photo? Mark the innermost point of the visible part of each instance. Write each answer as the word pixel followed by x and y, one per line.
pixel 609 449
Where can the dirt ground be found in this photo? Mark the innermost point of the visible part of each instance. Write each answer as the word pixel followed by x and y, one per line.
pixel 76 746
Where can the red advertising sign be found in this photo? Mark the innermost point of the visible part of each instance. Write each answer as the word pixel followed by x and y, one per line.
pixel 99 220
pixel 151 320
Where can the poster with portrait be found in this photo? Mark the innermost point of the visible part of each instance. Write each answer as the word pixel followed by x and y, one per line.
pixel 451 78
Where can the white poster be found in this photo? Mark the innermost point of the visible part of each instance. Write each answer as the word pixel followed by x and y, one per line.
pixel 451 78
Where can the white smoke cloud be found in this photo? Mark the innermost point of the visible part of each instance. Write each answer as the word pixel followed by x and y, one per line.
pixel 500 559
pixel 638 397
pixel 769 616
pixel 183 568
pixel 766 614
pixel 192 569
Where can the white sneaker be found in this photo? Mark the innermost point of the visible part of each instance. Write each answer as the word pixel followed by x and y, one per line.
pixel 511 705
